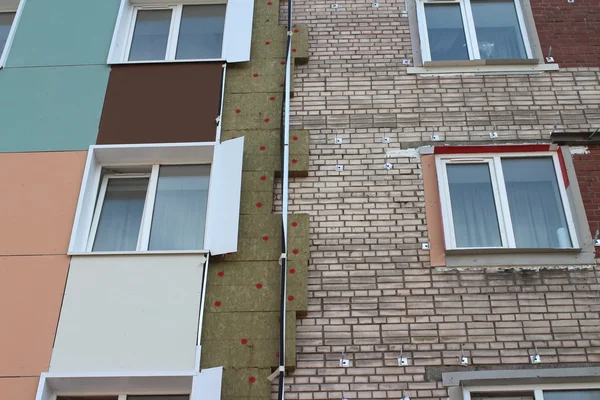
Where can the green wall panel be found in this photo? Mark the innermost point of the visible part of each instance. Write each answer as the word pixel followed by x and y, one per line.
pixel 51 109
pixel 65 32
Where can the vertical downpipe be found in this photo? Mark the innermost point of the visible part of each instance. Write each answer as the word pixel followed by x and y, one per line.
pixel 285 158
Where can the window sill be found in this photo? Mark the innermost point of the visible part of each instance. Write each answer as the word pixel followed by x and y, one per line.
pixel 166 61
pixel 476 68
pixel 519 258
pixel 478 63
pixel 505 250
pixel 137 253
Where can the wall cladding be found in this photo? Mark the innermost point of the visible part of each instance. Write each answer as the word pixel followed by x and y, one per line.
pixel 125 305
pixel 34 285
pixel 161 103
pixel 572 29
pixel 38 203
pixel 372 292
pixel 355 84
pixel 44 39
pixel 241 326
pixel 51 108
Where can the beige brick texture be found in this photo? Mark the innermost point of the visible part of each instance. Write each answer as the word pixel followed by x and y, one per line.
pixel 372 292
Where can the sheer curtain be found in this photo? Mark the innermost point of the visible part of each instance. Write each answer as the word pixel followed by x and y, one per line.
pixel 535 205
pixel 497 28
pixel 180 208
pixel 473 207
pixel 121 215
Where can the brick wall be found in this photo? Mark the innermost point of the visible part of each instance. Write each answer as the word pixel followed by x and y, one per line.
pixel 588 176
pixel 372 294
pixel 572 29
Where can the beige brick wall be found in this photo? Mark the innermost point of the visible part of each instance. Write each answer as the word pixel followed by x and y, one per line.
pixel 372 293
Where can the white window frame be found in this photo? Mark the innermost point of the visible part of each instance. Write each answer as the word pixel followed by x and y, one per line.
pixel 494 161
pixel 200 385
pixel 173 38
pixel 469 27
pixel 118 396
pixel 149 203
pixel 237 30
pixel 536 390
pixel 17 8
pixel 224 191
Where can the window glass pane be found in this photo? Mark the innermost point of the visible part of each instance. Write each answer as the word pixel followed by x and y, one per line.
pixel 6 20
pixel 446 32
pixel 502 396
pixel 473 206
pixel 572 395
pixel 201 32
pixel 150 35
pixel 536 208
pixel 180 208
pixel 497 28
pixel 121 216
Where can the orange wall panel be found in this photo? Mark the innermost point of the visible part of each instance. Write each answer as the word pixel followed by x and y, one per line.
pixel 433 212
pixel 38 202
pixel 32 289
pixel 18 388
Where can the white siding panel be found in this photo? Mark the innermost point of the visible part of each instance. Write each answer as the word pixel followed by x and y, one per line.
pixel 207 384
pixel 238 30
pixel 129 313
pixel 224 195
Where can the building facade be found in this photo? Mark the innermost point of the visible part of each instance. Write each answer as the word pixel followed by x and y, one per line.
pixel 402 260
pixel 443 205
pixel 140 255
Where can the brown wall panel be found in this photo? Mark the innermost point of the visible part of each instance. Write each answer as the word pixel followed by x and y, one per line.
pixel 161 103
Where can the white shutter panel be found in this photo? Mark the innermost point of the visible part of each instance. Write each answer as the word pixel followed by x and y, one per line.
pixel 207 384
pixel 237 37
pixel 224 193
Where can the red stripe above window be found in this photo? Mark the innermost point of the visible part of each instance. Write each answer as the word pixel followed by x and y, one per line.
pixel 516 148
pixel 563 167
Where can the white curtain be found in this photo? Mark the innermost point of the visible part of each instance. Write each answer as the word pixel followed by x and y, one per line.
pixel 474 214
pixel 536 209
pixel 498 31
pixel 537 215
pixel 500 43
pixel 121 215
pixel 179 215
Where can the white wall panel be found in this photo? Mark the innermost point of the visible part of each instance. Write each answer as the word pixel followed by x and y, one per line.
pixel 224 196
pixel 237 37
pixel 129 313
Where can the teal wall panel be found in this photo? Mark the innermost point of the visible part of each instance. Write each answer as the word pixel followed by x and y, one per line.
pixel 64 32
pixel 51 108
